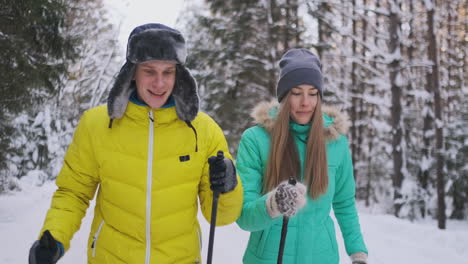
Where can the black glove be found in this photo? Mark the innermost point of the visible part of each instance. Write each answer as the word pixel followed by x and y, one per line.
pixel 46 250
pixel 223 177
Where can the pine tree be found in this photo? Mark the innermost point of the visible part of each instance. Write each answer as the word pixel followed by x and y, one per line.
pixel 42 131
pixel 35 54
pixel 393 107
pixel 234 50
pixel 380 60
pixel 455 93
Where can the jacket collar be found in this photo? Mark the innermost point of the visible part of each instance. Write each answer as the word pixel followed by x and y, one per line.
pixel 160 115
pixel 335 121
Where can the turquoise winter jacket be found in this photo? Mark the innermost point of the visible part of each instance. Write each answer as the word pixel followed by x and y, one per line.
pixel 311 235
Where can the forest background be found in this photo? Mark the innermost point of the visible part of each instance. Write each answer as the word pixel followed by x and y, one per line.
pixel 397 67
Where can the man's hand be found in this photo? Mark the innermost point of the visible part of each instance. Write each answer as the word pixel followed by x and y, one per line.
pixel 223 176
pixel 45 250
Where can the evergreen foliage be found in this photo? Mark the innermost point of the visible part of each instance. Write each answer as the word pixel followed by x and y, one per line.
pixel 403 87
pixel 379 58
pixel 35 49
pixel 234 49
pixel 35 54
pixel 39 124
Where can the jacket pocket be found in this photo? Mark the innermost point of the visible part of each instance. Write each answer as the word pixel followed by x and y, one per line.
pixel 199 237
pixel 262 240
pixel 330 226
pixel 95 239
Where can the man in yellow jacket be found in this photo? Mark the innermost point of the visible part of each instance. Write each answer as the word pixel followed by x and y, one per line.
pixel 148 152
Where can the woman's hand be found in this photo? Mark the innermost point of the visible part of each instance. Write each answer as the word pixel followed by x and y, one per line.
pixel 359 258
pixel 286 199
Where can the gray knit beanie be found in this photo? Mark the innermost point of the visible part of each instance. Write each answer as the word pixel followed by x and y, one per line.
pixel 298 66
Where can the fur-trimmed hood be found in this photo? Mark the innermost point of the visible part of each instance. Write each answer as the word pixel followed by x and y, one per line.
pixel 336 122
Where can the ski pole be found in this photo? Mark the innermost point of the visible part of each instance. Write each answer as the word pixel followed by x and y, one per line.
pixel 284 230
pixel 212 225
pixel 214 208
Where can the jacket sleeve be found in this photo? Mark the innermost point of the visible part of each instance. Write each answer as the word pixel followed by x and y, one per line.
pixel 77 183
pixel 344 204
pixel 254 215
pixel 229 204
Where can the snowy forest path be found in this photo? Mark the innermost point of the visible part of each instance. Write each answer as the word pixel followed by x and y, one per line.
pixel 389 239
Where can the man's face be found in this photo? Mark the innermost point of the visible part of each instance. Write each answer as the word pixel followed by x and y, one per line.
pixel 155 81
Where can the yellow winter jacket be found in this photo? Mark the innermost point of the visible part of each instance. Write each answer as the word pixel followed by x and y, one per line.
pixel 150 168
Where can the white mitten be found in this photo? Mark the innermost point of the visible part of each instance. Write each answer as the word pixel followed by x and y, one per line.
pixel 359 258
pixel 286 199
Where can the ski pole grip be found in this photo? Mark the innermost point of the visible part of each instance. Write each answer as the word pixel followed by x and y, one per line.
pixel 292 180
pixel 220 155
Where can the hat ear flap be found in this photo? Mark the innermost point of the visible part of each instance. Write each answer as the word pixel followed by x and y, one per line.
pixel 185 94
pixel 120 92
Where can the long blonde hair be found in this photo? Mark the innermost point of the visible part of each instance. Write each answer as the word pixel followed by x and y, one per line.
pixel 283 161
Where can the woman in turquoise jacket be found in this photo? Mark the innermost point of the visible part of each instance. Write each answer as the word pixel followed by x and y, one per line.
pixel 298 138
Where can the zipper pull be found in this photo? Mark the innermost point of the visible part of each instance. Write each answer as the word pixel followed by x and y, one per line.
pixel 94 241
pixel 150 115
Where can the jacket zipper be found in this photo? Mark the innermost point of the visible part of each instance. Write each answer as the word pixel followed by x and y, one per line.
pixel 149 183
pixel 95 238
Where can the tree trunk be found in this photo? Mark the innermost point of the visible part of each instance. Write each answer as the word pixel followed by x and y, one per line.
pixel 271 20
pixel 394 48
pixel 367 110
pixel 433 85
pixel 323 30
pixel 354 99
pixel 427 139
pixel 287 25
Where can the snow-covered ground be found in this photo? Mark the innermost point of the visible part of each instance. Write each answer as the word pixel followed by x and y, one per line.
pixel 390 240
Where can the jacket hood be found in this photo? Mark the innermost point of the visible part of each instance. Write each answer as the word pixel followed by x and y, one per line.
pixel 336 122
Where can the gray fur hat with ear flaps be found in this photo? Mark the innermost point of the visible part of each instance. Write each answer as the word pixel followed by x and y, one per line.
pixel 155 42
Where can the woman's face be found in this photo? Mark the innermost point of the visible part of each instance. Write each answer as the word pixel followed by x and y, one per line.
pixel 155 81
pixel 303 100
